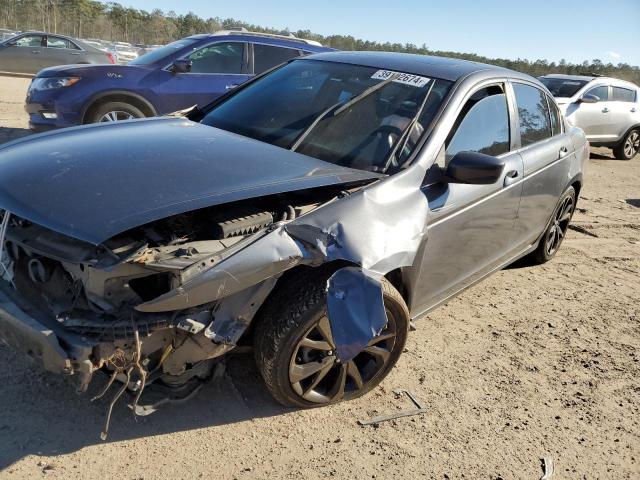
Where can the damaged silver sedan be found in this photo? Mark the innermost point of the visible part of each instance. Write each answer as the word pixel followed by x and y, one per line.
pixel 311 214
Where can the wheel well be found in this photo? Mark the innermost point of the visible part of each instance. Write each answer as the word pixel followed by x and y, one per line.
pixel 634 127
pixel 395 277
pixel 577 185
pixel 140 104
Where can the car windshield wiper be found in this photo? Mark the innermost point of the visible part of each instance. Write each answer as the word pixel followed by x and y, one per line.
pixel 339 108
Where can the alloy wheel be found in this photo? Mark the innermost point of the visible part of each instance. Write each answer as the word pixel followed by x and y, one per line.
pixel 116 116
pixel 559 225
pixel 316 374
pixel 632 144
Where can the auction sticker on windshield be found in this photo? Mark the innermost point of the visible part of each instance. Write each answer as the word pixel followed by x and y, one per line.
pixel 404 78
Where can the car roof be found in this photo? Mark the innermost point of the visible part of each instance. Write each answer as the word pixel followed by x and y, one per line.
pixel 451 69
pixel 561 76
pixel 597 79
pixel 256 37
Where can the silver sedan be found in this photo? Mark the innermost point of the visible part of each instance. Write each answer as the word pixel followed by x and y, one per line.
pixel 30 52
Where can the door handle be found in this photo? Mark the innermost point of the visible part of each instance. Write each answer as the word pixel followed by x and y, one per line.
pixel 232 86
pixel 633 110
pixel 76 53
pixel 563 151
pixel 510 177
pixel 605 110
pixel 35 51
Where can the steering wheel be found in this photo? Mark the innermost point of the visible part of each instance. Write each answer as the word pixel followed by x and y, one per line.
pixel 382 148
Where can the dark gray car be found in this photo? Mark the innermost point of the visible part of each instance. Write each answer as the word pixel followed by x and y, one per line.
pixel 310 214
pixel 30 52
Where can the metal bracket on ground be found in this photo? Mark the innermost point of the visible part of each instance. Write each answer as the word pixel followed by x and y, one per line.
pixel 401 414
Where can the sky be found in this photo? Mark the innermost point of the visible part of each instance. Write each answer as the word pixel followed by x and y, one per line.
pixel 575 30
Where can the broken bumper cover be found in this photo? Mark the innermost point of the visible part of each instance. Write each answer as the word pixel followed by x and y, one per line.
pixel 23 333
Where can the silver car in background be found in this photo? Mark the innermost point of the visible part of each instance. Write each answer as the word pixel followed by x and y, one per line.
pixel 30 52
pixel 607 109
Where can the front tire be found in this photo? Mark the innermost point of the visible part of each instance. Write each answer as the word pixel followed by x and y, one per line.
pixel 557 229
pixel 114 112
pixel 295 352
pixel 629 147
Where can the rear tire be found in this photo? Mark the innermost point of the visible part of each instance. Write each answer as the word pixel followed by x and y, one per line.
pixel 293 334
pixel 556 230
pixel 629 146
pixel 114 111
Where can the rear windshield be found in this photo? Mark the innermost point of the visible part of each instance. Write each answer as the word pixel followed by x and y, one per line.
pixel 350 115
pixel 563 87
pixel 162 52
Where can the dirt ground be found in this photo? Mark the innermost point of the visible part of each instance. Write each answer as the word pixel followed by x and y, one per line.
pixel 533 361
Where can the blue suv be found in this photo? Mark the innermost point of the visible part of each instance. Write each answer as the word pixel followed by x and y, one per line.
pixel 191 71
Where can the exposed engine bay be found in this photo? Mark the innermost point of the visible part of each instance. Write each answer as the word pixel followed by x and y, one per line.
pixel 88 295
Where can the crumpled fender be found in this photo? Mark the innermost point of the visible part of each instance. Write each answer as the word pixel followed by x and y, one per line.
pixel 379 228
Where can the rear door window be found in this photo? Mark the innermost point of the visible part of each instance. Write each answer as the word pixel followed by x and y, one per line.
pixel 602 92
pixel 57 42
pixel 267 56
pixel 619 94
pixel 533 114
pixel 556 119
pixel 225 57
pixel 482 126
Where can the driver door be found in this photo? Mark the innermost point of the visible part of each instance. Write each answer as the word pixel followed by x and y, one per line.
pixel 470 229
pixel 216 69
pixel 595 118
pixel 23 54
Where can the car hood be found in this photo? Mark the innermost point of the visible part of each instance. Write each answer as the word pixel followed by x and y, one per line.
pixel 95 181
pixel 93 70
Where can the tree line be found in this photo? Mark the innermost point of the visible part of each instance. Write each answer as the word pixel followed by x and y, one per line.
pixel 112 21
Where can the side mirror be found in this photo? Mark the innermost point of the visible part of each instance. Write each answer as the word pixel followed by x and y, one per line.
pixel 181 66
pixel 474 168
pixel 589 98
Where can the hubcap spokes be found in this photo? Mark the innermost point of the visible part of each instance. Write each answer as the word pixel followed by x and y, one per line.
pixel 316 374
pixel 116 116
pixel 559 226
pixel 632 144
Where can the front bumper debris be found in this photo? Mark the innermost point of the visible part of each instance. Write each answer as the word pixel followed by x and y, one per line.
pixel 25 334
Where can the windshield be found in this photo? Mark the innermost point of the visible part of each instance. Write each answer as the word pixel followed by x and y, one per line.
pixel 349 115
pixel 159 53
pixel 563 87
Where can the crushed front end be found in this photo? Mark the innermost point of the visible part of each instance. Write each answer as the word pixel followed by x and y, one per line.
pixel 79 308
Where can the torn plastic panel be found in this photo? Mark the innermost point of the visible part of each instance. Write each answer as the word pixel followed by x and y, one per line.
pixel 268 256
pixel 355 307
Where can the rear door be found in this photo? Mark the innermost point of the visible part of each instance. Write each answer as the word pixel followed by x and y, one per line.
pixel 216 68
pixel 547 152
pixel 470 227
pixel 623 110
pixel 60 51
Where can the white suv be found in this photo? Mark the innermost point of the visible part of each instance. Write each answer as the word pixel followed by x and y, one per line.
pixel 607 109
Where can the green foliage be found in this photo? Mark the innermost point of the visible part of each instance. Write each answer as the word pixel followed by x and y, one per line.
pixel 112 21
